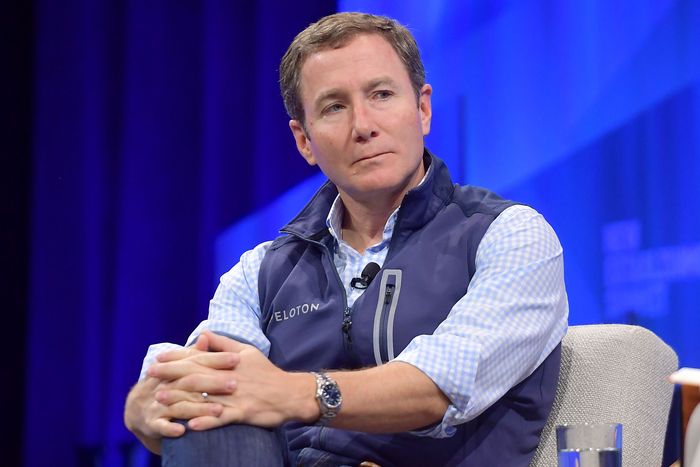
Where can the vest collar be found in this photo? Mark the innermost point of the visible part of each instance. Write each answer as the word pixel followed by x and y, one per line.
pixel 419 205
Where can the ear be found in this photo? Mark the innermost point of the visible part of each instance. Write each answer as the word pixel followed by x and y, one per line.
pixel 425 107
pixel 303 141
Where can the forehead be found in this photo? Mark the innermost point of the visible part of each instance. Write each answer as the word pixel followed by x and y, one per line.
pixel 361 59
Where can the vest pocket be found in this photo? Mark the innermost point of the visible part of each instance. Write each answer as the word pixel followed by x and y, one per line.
pixel 383 329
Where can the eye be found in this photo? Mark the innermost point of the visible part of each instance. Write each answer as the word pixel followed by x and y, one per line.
pixel 333 108
pixel 383 94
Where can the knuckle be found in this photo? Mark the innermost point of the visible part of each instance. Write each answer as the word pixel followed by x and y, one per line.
pixel 162 397
pixel 171 430
pixel 153 409
pixel 237 415
pixel 189 381
pixel 183 383
pixel 245 410
pixel 153 428
pixel 178 410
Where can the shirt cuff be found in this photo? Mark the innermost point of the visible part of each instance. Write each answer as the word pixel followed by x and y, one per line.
pixel 439 430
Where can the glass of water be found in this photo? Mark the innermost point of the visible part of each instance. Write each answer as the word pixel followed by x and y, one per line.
pixel 589 445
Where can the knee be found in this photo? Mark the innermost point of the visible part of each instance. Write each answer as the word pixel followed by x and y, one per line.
pixel 229 445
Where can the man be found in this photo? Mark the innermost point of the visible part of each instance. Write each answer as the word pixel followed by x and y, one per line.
pixel 449 356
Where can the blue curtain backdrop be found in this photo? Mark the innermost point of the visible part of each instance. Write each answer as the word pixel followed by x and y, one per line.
pixel 161 152
pixel 156 124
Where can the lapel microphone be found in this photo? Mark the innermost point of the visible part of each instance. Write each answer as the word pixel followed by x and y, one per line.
pixel 366 277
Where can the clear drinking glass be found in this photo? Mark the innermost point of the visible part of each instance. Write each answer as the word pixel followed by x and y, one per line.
pixel 589 445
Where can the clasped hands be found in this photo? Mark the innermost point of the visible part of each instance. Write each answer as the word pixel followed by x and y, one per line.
pixel 242 385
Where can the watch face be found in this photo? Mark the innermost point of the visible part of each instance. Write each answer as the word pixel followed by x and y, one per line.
pixel 331 395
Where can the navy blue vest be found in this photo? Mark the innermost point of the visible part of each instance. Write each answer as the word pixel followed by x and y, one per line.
pixel 310 327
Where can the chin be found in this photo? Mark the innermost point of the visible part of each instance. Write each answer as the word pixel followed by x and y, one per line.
pixel 378 185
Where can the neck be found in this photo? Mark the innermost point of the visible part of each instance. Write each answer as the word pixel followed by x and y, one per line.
pixel 363 225
pixel 364 219
pixel 365 216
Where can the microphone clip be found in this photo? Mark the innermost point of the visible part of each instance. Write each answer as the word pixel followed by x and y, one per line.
pixel 359 283
pixel 368 274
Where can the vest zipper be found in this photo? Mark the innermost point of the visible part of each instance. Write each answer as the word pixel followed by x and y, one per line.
pixel 347 323
pixel 388 298
pixel 383 329
pixel 347 311
pixel 388 295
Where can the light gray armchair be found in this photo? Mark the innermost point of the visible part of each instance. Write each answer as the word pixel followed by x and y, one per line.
pixel 692 440
pixel 613 373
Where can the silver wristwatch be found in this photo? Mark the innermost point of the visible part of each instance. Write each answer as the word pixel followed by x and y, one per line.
pixel 328 397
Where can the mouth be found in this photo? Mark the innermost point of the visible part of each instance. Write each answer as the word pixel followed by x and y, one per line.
pixel 370 157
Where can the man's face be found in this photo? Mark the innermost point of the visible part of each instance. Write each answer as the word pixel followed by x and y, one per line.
pixel 365 128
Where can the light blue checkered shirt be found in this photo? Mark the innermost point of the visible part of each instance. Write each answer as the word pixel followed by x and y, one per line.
pixel 513 314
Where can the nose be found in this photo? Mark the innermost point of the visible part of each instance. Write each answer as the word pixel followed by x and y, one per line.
pixel 363 126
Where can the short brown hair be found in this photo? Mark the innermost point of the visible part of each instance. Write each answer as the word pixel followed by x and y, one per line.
pixel 335 31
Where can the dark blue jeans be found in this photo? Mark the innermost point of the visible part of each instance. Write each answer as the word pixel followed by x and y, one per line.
pixel 231 445
pixel 241 445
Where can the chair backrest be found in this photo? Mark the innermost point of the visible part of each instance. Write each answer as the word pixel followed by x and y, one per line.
pixel 692 439
pixel 613 373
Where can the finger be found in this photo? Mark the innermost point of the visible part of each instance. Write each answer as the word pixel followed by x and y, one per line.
pixel 187 410
pixel 172 370
pixel 222 343
pixel 177 354
pixel 217 360
pixel 164 427
pixel 202 343
pixel 149 384
pixel 202 363
pixel 205 423
pixel 222 383
pixel 173 396
pixel 228 415
pixel 163 386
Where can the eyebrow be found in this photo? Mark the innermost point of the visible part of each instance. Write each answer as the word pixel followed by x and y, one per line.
pixel 381 81
pixel 335 93
pixel 330 94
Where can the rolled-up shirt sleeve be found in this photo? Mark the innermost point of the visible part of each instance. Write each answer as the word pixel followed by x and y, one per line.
pixel 234 310
pixel 513 315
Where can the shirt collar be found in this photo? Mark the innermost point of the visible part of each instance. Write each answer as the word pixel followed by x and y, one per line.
pixel 334 221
